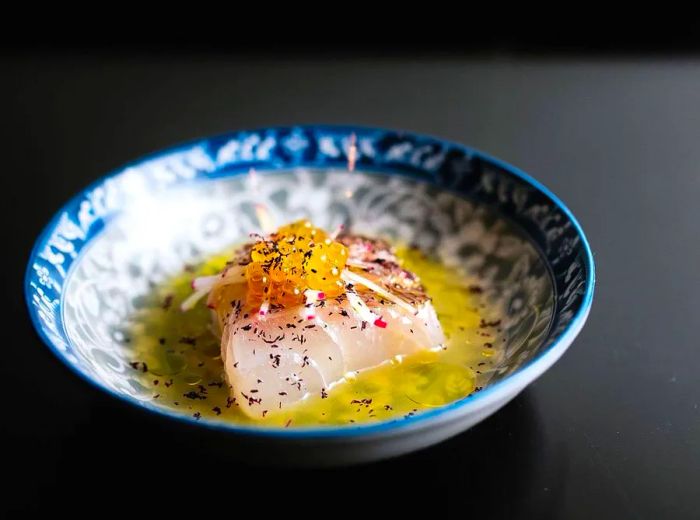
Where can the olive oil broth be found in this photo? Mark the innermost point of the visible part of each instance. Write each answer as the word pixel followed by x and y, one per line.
pixel 178 356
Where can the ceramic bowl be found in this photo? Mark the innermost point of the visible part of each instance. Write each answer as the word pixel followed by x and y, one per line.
pixel 105 248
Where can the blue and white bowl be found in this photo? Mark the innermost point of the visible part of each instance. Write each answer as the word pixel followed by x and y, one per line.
pixel 105 248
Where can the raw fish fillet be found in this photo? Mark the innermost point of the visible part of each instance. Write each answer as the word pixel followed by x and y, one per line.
pixel 299 310
pixel 278 361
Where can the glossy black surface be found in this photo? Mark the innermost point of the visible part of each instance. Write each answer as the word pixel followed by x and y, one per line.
pixel 612 431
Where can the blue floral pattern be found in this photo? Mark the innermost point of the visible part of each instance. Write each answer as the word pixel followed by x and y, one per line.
pixel 480 215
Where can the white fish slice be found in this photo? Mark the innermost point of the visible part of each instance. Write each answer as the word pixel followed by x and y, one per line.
pixel 276 362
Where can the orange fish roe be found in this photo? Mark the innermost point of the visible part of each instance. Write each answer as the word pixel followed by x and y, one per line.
pixel 295 258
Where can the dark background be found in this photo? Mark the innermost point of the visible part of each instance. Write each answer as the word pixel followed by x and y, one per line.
pixel 613 127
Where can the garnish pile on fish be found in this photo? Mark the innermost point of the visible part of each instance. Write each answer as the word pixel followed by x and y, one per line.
pixel 299 309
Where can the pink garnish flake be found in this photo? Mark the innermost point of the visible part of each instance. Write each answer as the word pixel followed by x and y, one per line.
pixel 308 312
pixel 321 296
pixel 337 231
pixel 380 323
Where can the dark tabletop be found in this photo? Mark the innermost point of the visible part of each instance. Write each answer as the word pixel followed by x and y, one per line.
pixel 611 431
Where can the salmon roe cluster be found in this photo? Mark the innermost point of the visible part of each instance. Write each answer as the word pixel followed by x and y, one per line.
pixel 295 258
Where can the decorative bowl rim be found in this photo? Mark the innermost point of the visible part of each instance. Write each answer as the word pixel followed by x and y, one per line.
pixel 492 393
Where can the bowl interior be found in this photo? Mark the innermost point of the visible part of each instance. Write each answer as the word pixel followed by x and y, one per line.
pixel 103 253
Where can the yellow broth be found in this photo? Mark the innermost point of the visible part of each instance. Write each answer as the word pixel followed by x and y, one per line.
pixel 177 356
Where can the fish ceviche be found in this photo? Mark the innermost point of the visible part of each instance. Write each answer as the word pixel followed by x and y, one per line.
pixel 299 311
pixel 301 327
